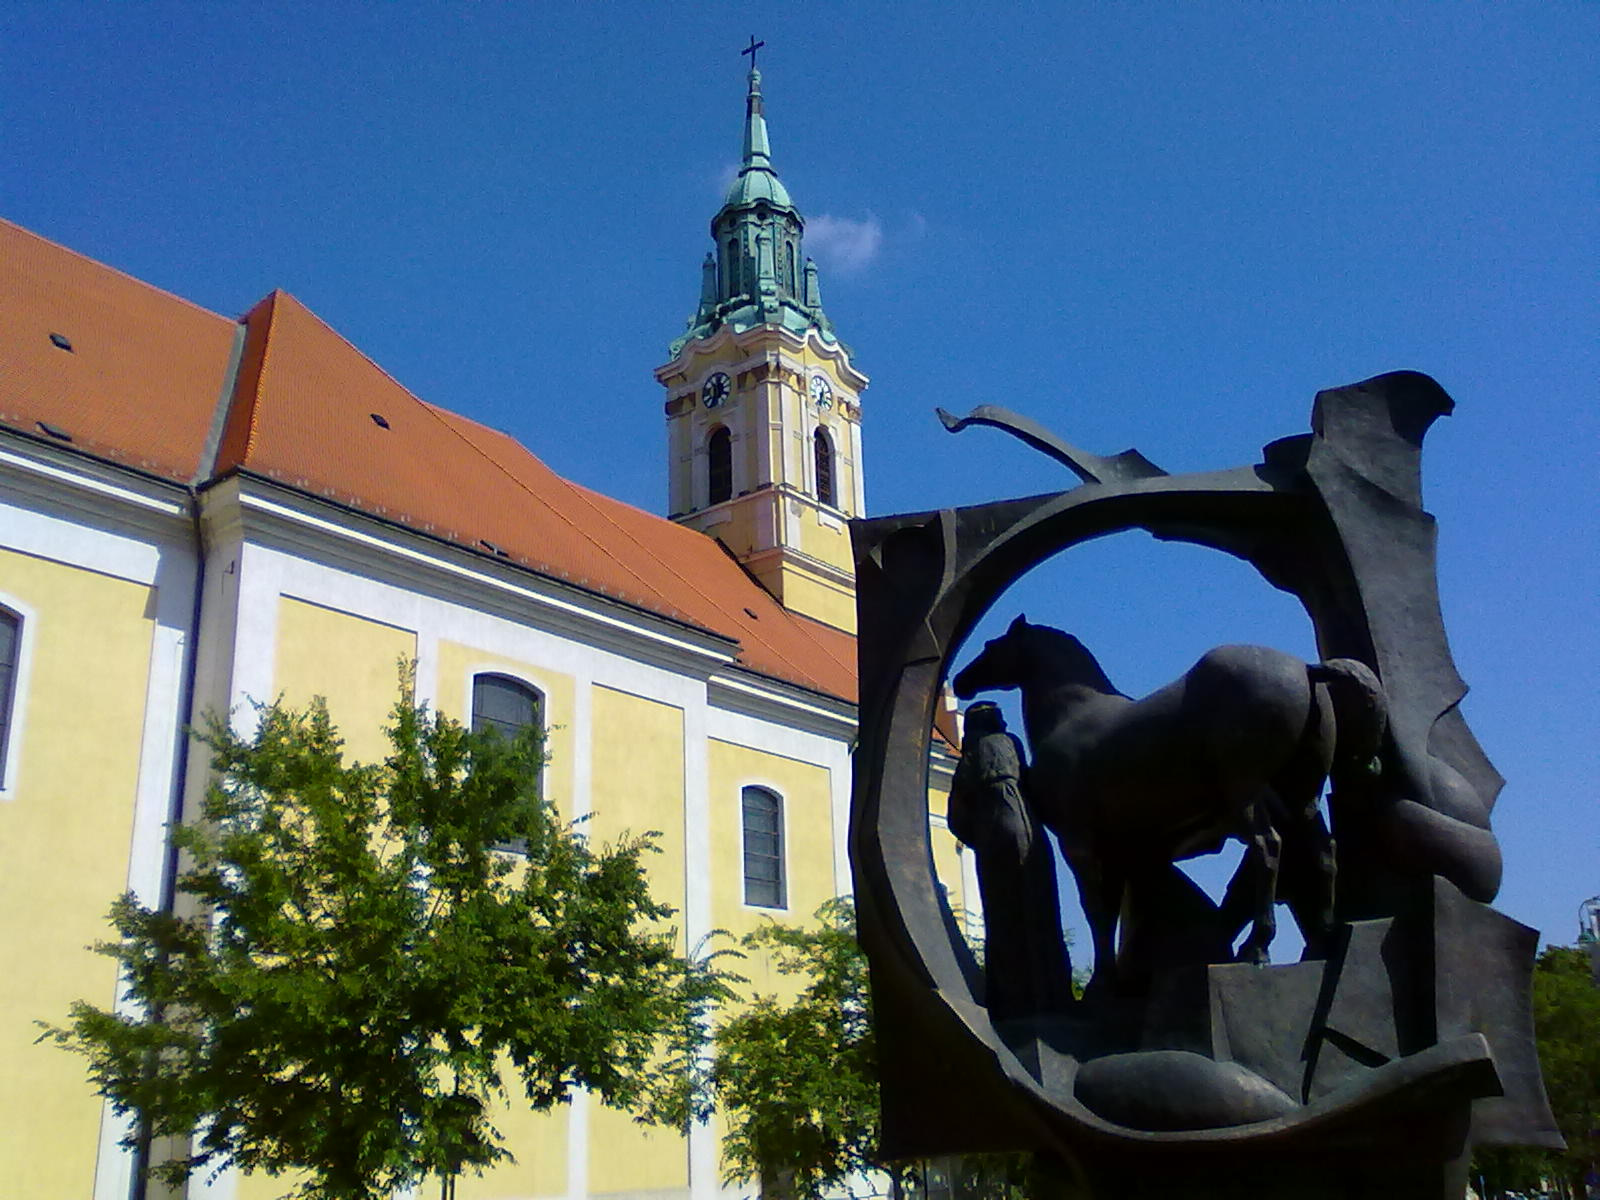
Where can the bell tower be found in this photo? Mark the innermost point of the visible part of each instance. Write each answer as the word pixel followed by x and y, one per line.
pixel 763 404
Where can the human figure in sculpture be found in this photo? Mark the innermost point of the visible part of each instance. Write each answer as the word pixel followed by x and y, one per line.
pixel 1027 972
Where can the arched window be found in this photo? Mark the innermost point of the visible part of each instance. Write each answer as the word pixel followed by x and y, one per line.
pixel 788 267
pixel 719 465
pixel 763 848
pixel 507 706
pixel 732 273
pixel 10 651
pixel 822 444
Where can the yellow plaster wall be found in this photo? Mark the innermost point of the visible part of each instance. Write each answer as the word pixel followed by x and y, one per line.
pixel 752 469
pixel 830 543
pixel 808 846
pixel 634 1159
pixel 738 532
pixel 351 662
pixel 539 1140
pixel 816 363
pixel 63 852
pixel 803 592
pixel 680 462
pixel 636 782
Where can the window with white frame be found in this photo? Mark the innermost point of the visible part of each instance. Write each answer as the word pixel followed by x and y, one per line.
pixel 764 875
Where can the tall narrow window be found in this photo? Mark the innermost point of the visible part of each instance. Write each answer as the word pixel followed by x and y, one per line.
pixel 719 465
pixel 763 848
pixel 732 273
pixel 10 648
pixel 507 706
pixel 788 267
pixel 823 445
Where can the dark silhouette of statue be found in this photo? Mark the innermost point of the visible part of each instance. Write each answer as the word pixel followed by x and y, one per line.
pixel 1370 1069
pixel 1238 747
pixel 1026 969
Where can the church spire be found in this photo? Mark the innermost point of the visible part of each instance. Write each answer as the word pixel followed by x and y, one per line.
pixel 756 151
pixel 763 403
pixel 758 273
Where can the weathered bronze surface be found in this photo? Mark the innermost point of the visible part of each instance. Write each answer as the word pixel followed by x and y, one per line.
pixel 1405 1035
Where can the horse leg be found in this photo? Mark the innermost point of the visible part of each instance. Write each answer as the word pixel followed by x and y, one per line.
pixel 1266 846
pixel 1100 893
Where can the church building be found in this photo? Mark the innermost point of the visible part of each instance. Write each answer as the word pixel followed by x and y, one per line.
pixel 199 512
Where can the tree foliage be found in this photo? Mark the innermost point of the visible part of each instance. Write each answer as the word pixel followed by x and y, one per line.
pixel 1566 1022
pixel 797 1081
pixel 356 973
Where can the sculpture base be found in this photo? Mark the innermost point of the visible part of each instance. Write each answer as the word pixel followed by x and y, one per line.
pixel 1420 1159
pixel 1302 1182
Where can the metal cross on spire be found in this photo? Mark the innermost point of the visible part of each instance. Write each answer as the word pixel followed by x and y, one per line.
pixel 751 50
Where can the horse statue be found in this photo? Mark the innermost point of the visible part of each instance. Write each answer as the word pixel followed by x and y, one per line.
pixel 1239 747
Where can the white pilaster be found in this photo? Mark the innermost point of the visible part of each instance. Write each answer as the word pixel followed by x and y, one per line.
pixel 164 722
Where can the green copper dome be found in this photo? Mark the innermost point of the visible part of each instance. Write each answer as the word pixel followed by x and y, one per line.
pixel 758 273
pixel 758 183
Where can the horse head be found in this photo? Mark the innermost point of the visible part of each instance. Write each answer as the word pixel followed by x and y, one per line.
pixel 1025 653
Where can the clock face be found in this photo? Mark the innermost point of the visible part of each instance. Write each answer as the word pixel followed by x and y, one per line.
pixel 716 390
pixel 821 393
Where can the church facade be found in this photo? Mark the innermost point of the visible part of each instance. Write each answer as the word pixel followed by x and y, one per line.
pixel 199 513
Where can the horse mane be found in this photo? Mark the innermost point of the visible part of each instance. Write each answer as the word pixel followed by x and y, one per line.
pixel 1079 660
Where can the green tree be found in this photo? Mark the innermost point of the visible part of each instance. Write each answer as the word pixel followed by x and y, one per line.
pixel 798 1081
pixel 1566 1022
pixel 362 973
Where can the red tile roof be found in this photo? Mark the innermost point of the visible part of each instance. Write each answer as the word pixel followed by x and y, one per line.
pixel 145 371
pixel 144 379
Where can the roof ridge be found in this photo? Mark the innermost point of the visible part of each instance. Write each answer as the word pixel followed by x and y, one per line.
pixel 585 496
pixel 754 631
pixel 589 497
pixel 357 350
pixel 644 589
pixel 238 436
pixel 105 266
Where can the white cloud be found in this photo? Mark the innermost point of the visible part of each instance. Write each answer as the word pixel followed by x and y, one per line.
pixel 844 244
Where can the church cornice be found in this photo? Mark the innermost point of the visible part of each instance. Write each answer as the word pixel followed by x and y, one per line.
pixel 91 489
pixel 259 510
pixel 741 690
pixel 757 344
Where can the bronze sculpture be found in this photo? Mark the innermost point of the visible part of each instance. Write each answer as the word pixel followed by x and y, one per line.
pixel 1369 1071
pixel 1237 747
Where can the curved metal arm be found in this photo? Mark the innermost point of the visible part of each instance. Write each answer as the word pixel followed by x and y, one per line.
pixel 1091 468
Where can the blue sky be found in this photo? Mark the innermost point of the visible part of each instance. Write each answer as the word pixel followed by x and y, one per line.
pixel 1154 225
